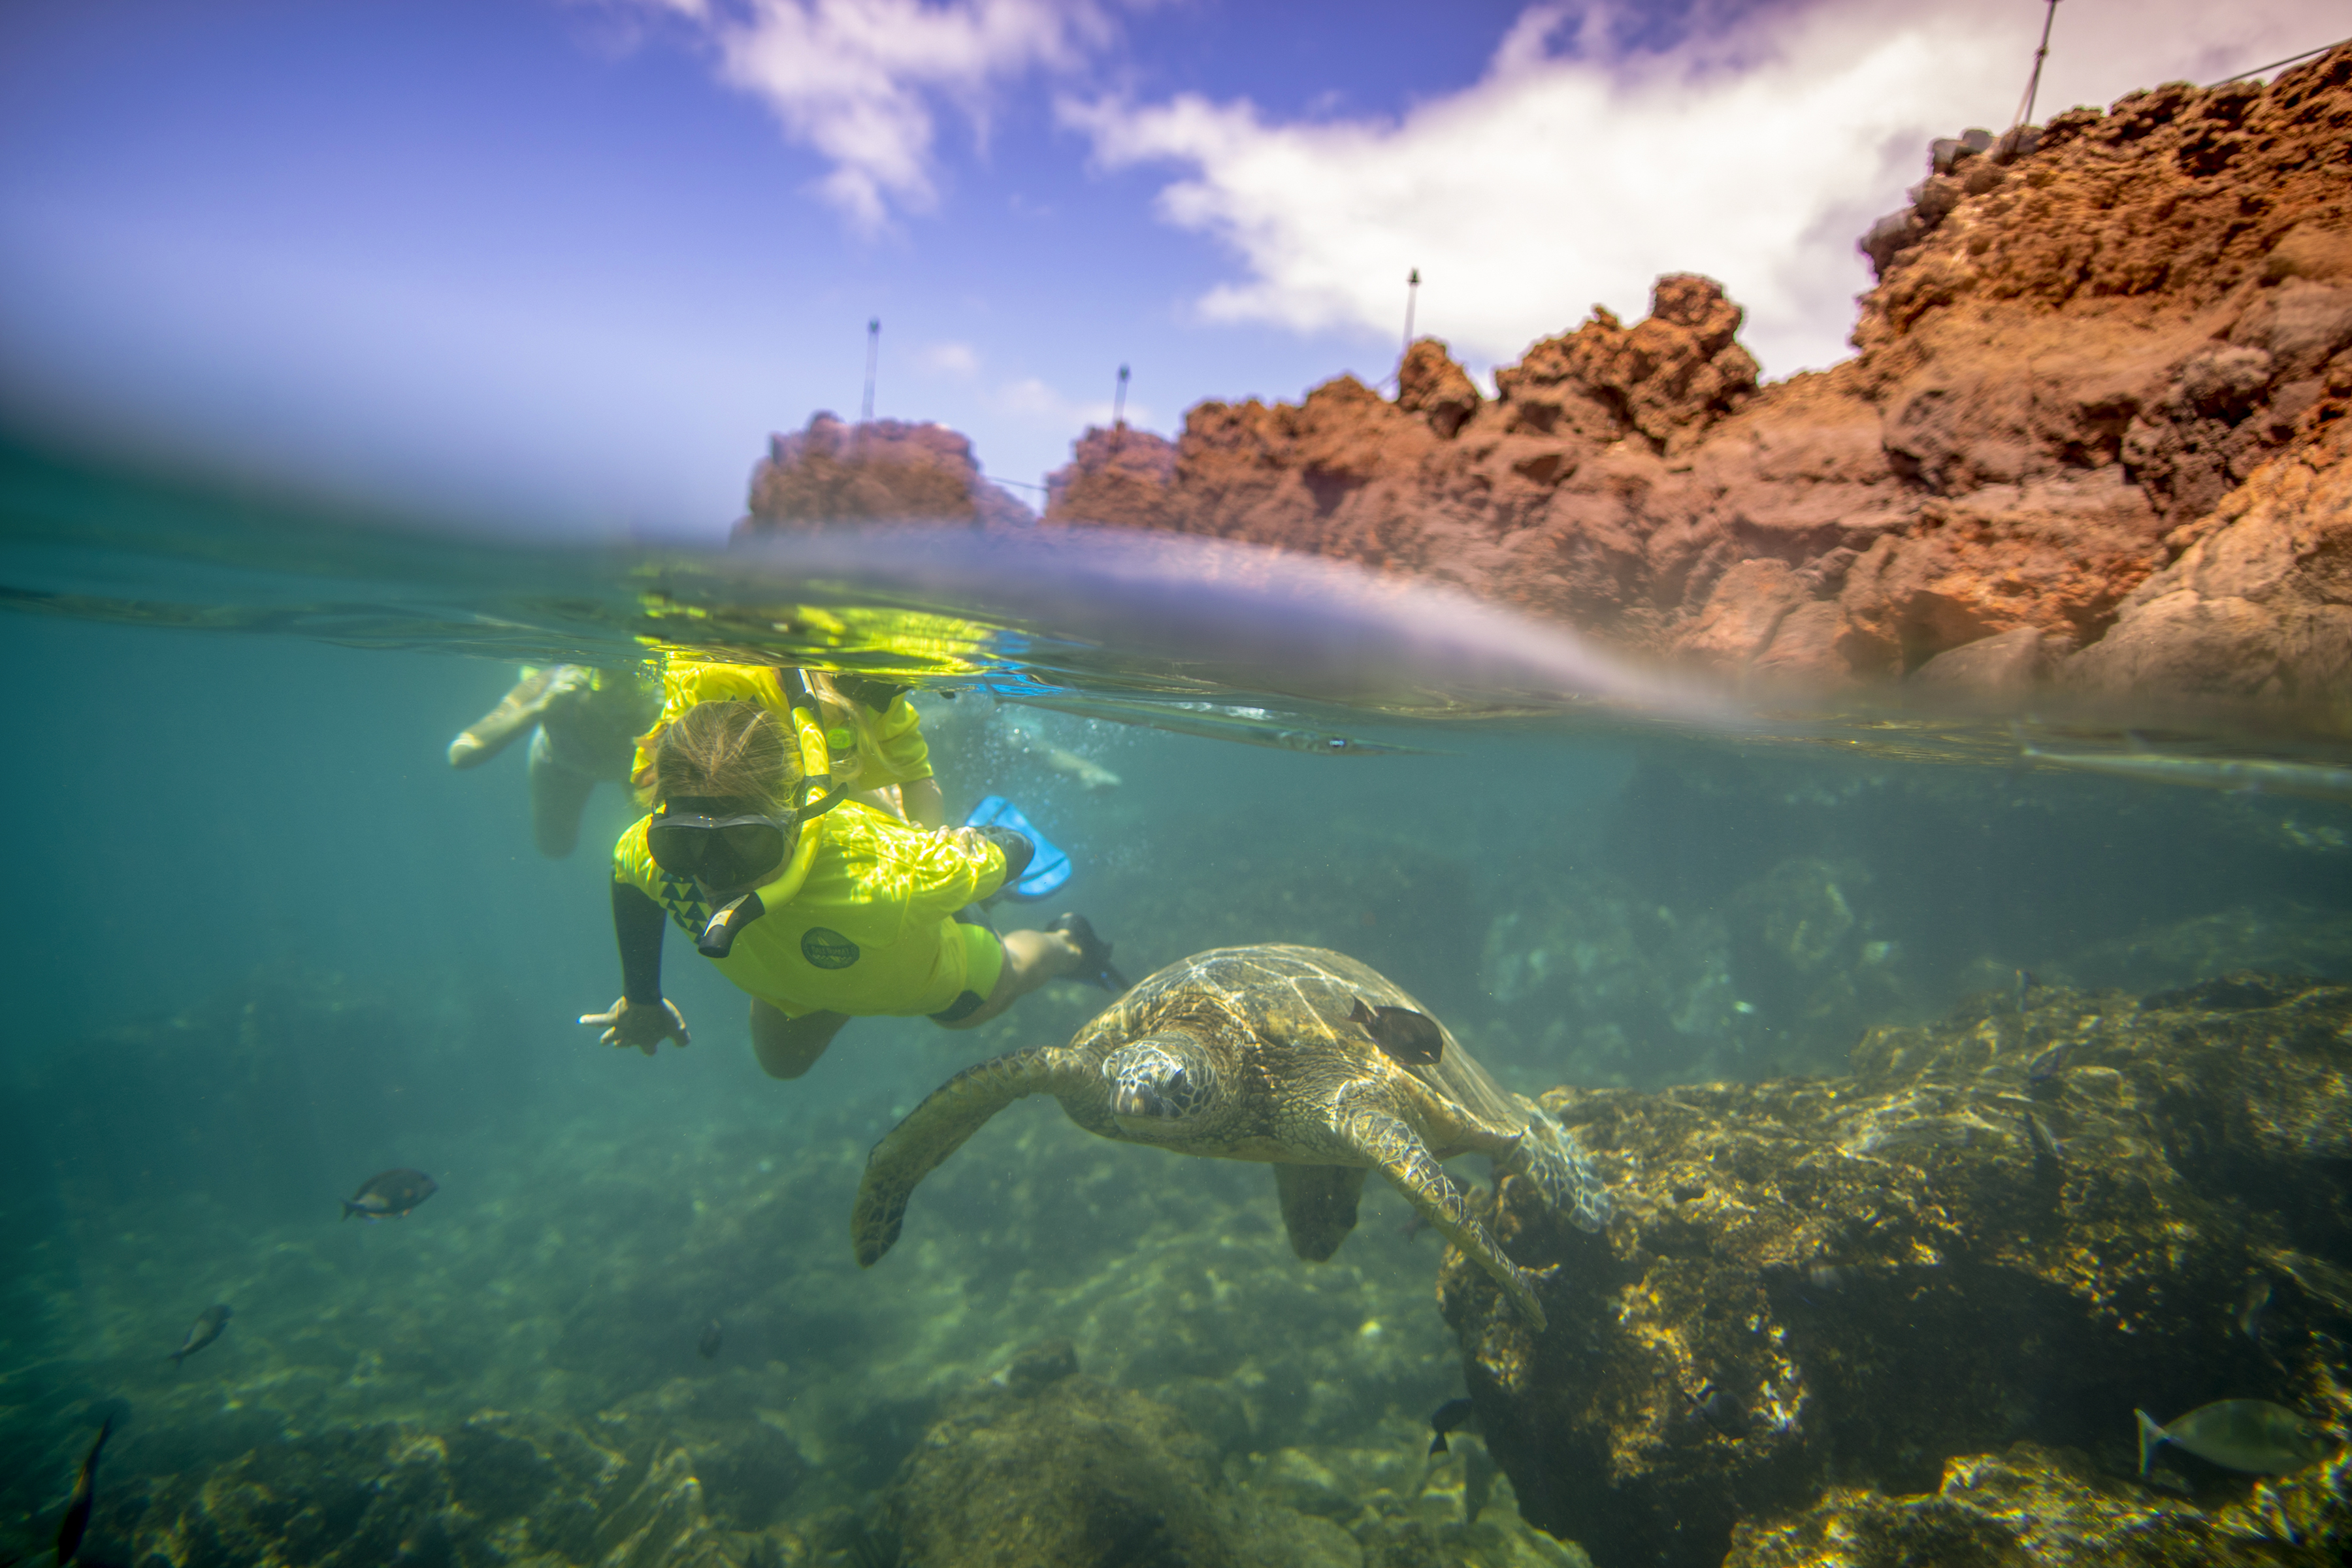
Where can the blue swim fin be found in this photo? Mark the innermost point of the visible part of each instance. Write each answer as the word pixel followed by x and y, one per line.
pixel 1048 868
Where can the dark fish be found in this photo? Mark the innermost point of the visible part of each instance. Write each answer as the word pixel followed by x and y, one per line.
pixel 208 1326
pixel 1721 1409
pixel 390 1193
pixel 2254 1313
pixel 2046 1146
pixel 2024 991
pixel 2045 1068
pixel 1449 1417
pixel 707 1343
pixel 77 1519
pixel 2250 1435
pixel 1412 1039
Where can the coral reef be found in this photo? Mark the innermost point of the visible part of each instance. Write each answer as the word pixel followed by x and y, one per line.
pixel 2097 408
pixel 2013 1228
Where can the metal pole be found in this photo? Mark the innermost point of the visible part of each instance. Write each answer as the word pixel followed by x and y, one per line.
pixel 2033 84
pixel 873 354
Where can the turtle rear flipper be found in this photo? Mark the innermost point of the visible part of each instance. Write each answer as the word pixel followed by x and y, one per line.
pixel 939 1126
pixel 1397 1152
pixel 1318 1206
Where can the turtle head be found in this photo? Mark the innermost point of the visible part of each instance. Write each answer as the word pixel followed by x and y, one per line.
pixel 1161 1084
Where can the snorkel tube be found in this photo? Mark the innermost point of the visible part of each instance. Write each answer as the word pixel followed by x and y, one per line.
pixel 815 795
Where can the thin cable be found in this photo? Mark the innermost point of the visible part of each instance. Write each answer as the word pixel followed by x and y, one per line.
pixel 2276 64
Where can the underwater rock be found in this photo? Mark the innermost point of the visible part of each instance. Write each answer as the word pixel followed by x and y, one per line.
pixel 2029 1504
pixel 2291 939
pixel 1883 1274
pixel 1042 1471
pixel 498 1489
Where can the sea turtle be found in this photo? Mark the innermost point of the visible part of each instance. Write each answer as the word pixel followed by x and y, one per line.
pixel 1295 1056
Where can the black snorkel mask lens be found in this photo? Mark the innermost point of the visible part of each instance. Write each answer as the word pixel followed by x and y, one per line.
pixel 719 849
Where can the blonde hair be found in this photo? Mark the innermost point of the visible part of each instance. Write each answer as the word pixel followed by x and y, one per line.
pixel 726 751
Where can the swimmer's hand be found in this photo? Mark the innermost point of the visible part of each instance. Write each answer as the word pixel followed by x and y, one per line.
pixel 644 1025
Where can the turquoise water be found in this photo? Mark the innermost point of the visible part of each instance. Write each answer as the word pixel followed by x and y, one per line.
pixel 266 944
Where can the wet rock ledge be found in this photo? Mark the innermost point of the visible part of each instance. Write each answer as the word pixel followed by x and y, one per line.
pixel 1887 1319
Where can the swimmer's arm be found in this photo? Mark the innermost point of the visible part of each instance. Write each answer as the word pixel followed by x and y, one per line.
pixel 637 923
pixel 641 1017
pixel 925 802
pixel 496 729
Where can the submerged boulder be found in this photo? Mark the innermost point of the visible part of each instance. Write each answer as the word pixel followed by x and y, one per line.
pixel 1042 1466
pixel 2013 1228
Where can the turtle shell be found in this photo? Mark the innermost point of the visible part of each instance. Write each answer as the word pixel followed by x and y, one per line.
pixel 1296 1011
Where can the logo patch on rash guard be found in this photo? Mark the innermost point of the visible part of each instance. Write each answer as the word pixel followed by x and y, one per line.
pixel 827 949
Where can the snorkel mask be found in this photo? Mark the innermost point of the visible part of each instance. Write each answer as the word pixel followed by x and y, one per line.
pixel 720 846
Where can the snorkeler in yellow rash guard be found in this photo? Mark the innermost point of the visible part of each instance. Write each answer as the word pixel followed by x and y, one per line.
pixel 822 908
pixel 585 722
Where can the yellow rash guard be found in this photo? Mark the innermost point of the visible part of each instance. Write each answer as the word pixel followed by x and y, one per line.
pixel 890 750
pixel 860 926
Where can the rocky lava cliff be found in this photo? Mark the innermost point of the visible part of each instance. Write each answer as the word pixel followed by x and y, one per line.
pixel 2094 436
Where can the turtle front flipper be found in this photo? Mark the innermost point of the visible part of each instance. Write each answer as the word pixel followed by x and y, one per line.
pixel 1549 1156
pixel 1394 1148
pixel 938 1128
pixel 1318 1206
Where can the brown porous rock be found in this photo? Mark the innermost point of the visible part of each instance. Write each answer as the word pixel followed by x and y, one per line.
pixel 2095 395
pixel 883 471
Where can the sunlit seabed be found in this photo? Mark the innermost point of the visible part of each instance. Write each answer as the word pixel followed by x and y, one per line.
pixel 1598 872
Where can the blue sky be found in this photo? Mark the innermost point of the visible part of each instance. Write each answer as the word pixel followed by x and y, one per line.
pixel 571 260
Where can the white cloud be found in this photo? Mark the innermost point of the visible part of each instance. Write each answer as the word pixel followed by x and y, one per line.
pixel 858 80
pixel 948 359
pixel 1040 403
pixel 1755 151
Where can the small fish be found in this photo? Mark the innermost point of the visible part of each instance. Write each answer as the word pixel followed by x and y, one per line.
pixel 2046 1147
pixel 2254 1313
pixel 390 1193
pixel 708 1341
pixel 2250 1435
pixel 1721 1409
pixel 2024 991
pixel 71 1528
pixel 1450 1416
pixel 1833 1276
pixel 1412 1039
pixel 2045 1068
pixel 208 1326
